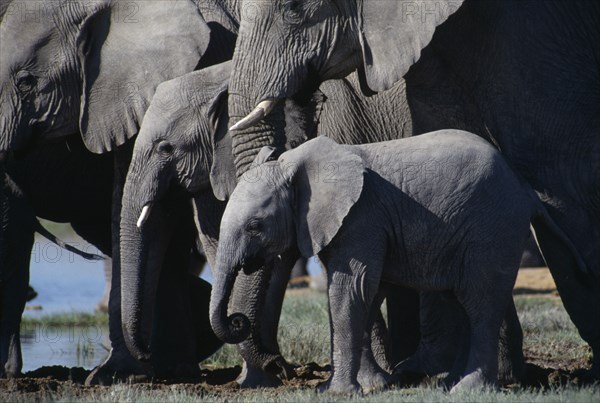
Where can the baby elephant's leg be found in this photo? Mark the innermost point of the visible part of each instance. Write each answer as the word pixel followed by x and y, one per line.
pixel 351 288
pixel 371 376
pixel 486 307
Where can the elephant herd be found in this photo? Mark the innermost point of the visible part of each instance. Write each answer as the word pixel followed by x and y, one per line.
pixel 160 128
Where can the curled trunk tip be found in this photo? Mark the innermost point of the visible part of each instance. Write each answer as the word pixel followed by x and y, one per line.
pixel 231 329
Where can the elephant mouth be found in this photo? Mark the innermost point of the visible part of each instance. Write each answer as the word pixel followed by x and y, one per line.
pixel 252 265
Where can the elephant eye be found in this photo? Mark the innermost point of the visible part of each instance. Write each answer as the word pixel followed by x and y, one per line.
pixel 254 227
pixel 291 11
pixel 26 82
pixel 164 147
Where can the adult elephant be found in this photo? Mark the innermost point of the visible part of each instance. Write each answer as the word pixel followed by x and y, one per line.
pixel 90 68
pixel 521 74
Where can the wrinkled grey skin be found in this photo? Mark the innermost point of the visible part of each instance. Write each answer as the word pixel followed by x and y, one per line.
pixel 483 71
pixel 440 212
pixel 92 67
pixel 189 125
pixel 183 136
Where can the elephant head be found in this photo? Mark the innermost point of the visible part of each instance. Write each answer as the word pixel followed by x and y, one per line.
pixel 286 48
pixel 183 144
pixel 278 206
pixel 90 66
pixel 174 150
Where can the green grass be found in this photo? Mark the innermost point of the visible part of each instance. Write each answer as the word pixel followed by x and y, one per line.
pixel 67 319
pixel 548 331
pixel 191 393
pixel 549 338
pixel 304 325
pixel 303 332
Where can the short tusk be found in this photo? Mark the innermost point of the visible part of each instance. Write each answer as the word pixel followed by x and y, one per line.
pixel 262 109
pixel 144 215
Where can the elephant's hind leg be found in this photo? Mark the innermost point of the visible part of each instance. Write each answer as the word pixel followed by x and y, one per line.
pixel 485 304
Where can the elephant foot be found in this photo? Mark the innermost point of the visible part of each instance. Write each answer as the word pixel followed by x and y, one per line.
pixel 338 387
pixel 268 375
pixel 408 372
pixel 510 372
pixel 370 375
pixel 283 368
pixel 427 360
pixel 253 377
pixel 473 381
pixel 119 367
pixel 9 374
pixel 374 382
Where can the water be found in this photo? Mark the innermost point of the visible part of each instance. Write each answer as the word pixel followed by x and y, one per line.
pixel 66 282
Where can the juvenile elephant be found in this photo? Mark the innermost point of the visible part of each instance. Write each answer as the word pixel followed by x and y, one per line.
pixel 442 211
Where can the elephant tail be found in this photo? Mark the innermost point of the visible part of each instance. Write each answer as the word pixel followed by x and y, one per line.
pixel 39 228
pixel 556 247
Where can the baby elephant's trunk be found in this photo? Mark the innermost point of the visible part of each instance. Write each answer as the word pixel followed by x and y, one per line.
pixel 231 329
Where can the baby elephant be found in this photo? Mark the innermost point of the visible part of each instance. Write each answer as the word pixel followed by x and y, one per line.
pixel 441 211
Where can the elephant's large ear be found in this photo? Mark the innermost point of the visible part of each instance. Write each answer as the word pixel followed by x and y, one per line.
pixel 126 49
pixel 328 180
pixel 214 82
pixel 393 33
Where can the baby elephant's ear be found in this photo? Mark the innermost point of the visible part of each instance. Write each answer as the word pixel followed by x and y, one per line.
pixel 328 181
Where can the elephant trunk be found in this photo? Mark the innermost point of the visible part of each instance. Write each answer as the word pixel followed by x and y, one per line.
pixel 243 100
pixel 230 329
pixel 142 253
pixel 248 142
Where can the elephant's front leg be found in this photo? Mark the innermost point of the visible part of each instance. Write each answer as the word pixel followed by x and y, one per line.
pixel 371 375
pixel 352 287
pixel 16 239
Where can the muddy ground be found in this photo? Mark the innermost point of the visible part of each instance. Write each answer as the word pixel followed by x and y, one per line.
pixel 545 368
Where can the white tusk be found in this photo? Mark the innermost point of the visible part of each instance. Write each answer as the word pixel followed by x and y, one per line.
pixel 144 215
pixel 262 109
